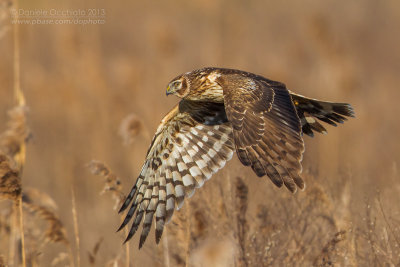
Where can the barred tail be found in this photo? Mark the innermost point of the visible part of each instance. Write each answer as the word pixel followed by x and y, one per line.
pixel 309 110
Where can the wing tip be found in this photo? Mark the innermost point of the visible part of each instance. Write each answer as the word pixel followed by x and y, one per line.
pixel 127 238
pixel 143 238
pixel 291 187
pixel 159 233
pixel 124 205
pixel 344 109
pixel 120 227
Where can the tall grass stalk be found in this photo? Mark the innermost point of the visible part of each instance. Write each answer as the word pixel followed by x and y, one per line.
pixel 127 248
pixel 76 228
pixel 166 248
pixel 19 157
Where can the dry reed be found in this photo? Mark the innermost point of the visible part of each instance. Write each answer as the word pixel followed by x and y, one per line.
pixel 55 231
pixel 10 182
pixel 113 185
pixel 12 143
pixel 5 6
pixel 12 159
pixel 61 258
pixel 41 209
pixel 328 251
pixel 76 228
pixel 38 209
pixel 130 127
pixel 241 209
pixel 93 253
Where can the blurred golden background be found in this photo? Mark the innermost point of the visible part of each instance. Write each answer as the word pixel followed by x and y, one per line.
pixel 81 81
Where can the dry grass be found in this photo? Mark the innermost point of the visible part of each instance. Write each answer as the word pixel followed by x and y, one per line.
pixel 131 127
pixel 81 81
pixel 113 185
pixel 10 182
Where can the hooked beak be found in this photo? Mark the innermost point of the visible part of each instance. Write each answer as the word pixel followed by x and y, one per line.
pixel 169 90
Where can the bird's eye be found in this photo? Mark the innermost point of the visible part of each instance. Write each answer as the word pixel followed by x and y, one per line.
pixel 177 84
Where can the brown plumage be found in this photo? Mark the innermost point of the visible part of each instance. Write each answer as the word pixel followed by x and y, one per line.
pixel 222 111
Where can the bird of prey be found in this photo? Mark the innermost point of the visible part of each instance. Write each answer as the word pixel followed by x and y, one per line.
pixel 223 111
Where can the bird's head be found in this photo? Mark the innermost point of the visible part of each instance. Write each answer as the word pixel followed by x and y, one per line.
pixel 180 86
pixel 200 85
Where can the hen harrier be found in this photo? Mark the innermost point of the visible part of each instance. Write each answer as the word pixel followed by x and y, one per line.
pixel 222 111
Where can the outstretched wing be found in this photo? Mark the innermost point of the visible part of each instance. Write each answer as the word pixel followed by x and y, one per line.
pixel 309 110
pixel 266 128
pixel 193 141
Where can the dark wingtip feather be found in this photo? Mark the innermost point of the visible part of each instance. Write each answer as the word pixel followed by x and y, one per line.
pixel 143 238
pixel 122 226
pixel 123 207
pixel 169 214
pixel 307 130
pixel 159 234
pixel 131 233
pixel 344 109
pixel 243 157
pixel 310 134
pixel 337 118
pixel 289 183
pixel 324 119
pixel 128 238
pixel 128 200
pixel 128 217
pixel 298 180
pixel 277 181
pixel 291 186
pixel 258 169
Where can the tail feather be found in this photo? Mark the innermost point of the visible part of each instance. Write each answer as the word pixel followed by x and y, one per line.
pixel 309 110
